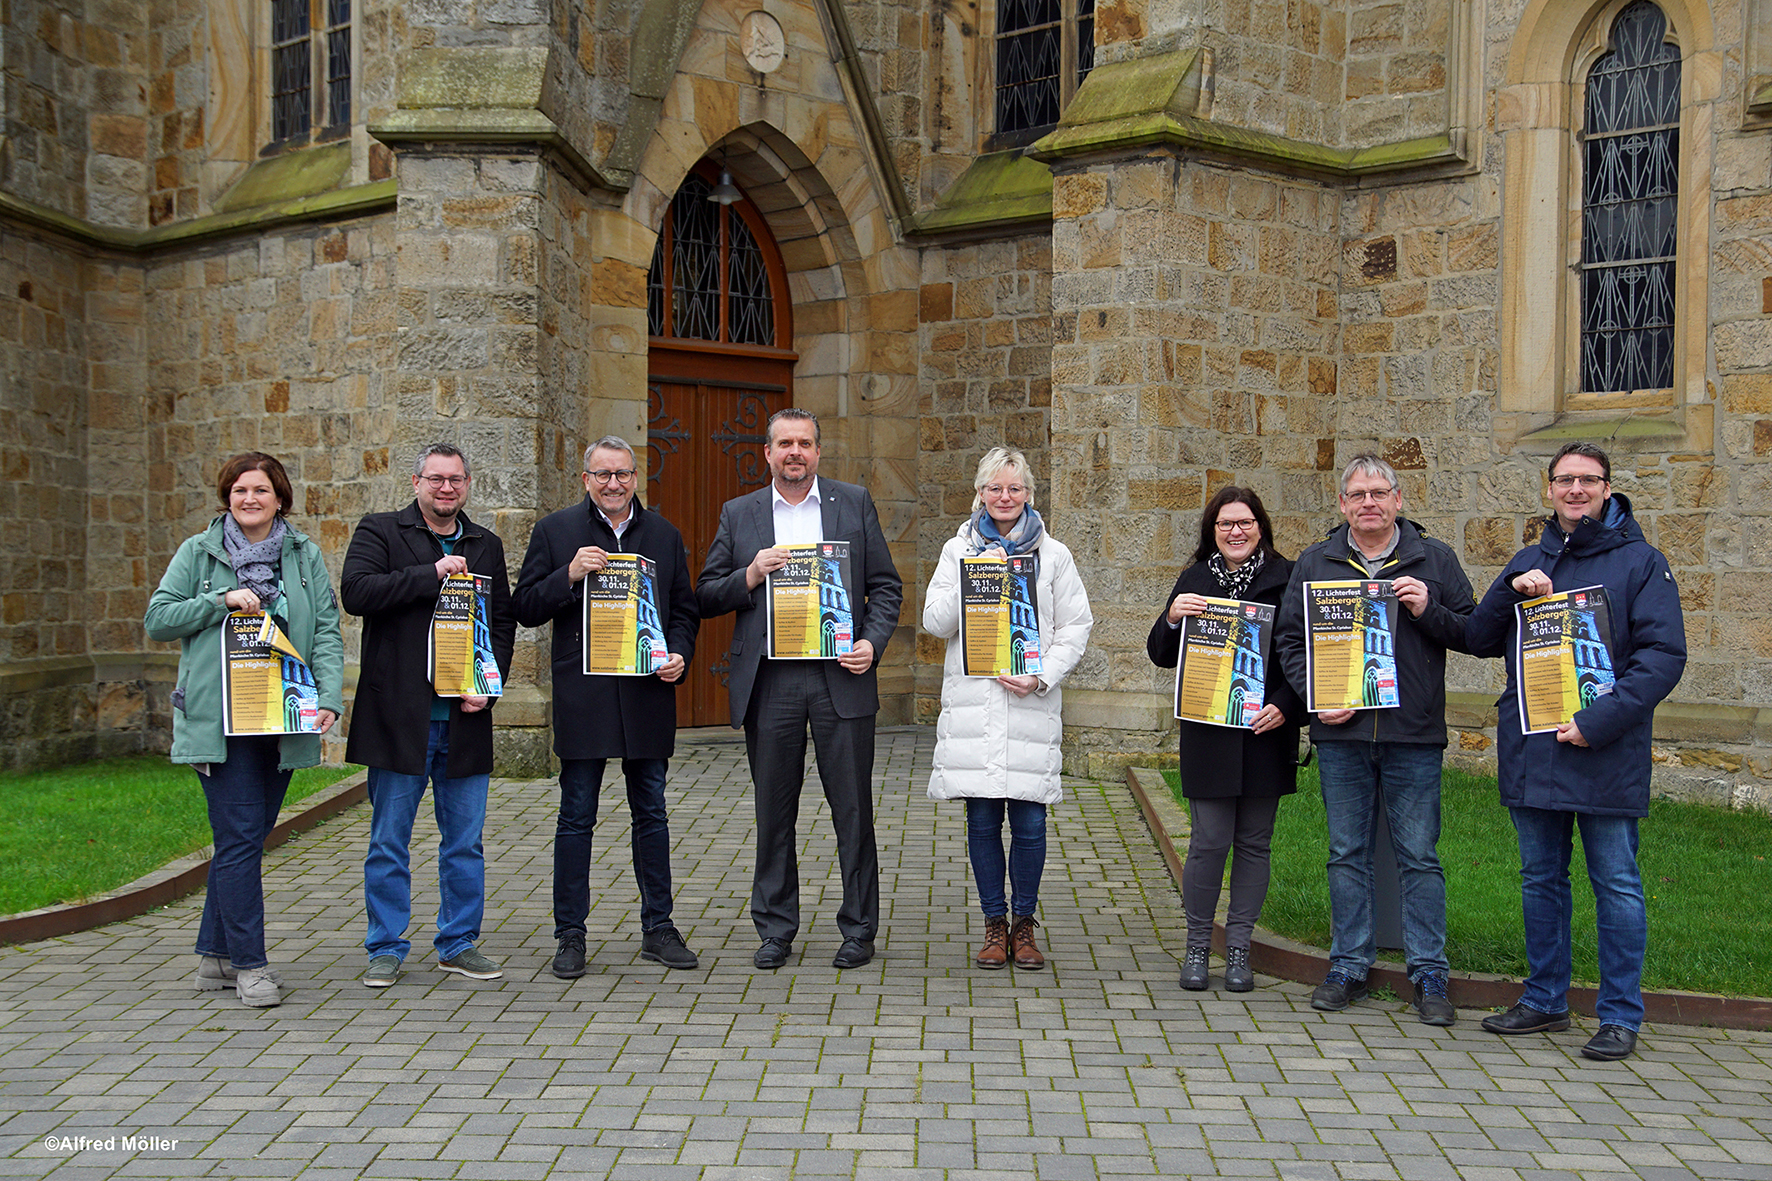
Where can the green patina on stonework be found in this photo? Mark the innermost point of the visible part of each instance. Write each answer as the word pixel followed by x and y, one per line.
pixel 1002 189
pixel 355 201
pixel 481 96
pixel 1759 95
pixel 288 177
pixel 1154 101
pixel 1613 428
pixel 508 77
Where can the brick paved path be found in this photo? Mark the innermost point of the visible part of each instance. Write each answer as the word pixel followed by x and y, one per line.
pixel 913 1066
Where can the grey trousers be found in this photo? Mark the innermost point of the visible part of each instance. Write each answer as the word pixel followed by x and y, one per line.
pixel 1246 822
pixel 789 696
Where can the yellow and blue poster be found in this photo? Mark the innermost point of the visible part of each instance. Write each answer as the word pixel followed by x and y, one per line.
pixel 1350 649
pixel 623 636
pixel 1562 656
pixel 267 688
pixel 999 616
pixel 807 604
pixel 461 659
pixel 1221 678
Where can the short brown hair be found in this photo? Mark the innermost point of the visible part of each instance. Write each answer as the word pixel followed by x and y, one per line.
pixel 255 461
pixel 1586 451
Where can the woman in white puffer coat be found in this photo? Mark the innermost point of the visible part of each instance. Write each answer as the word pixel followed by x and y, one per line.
pixel 996 744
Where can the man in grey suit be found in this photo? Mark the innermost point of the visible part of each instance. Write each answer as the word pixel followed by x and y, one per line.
pixel 775 700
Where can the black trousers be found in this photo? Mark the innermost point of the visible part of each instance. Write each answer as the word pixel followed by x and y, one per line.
pixel 789 697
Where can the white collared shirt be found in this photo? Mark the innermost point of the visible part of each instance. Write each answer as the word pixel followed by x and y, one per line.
pixel 620 529
pixel 797 524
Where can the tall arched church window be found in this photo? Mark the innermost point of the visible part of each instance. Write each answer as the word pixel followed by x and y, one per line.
pixel 1045 48
pixel 710 279
pixel 310 68
pixel 1630 151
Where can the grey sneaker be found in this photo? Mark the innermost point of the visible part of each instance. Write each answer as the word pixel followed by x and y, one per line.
pixel 473 965
pixel 215 974
pixel 256 989
pixel 383 971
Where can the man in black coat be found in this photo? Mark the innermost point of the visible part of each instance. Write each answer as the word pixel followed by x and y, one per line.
pixel 600 717
pixel 404 732
pixel 775 700
pixel 1384 757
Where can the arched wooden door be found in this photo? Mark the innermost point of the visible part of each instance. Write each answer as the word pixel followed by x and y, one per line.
pixel 718 365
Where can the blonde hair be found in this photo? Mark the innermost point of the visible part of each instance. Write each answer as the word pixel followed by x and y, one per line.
pixel 994 461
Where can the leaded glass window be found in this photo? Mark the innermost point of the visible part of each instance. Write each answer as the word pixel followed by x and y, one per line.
pixel 310 67
pixel 291 71
pixel 709 279
pixel 1630 150
pixel 1045 49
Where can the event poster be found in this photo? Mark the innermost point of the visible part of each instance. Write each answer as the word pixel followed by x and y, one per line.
pixel 999 616
pixel 623 636
pixel 1562 656
pixel 267 688
pixel 1221 678
pixel 807 603
pixel 461 659
pixel 1349 644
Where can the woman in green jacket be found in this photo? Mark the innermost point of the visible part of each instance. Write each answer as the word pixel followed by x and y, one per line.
pixel 248 559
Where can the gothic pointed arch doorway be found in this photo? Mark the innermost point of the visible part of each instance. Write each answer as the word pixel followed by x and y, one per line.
pixel 719 363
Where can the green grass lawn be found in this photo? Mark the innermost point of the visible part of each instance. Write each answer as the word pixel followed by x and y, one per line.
pixel 1704 871
pixel 77 832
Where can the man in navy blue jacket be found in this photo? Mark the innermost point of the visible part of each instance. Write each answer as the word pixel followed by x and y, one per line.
pixel 1593 770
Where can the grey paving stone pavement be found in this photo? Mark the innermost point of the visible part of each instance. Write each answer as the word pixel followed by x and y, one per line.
pixel 915 1066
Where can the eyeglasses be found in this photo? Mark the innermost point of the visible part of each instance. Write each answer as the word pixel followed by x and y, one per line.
pixel 445 481
pixel 1235 526
pixel 1370 496
pixel 613 476
pixel 1588 482
pixel 1001 489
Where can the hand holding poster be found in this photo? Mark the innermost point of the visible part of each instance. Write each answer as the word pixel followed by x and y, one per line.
pixel 1562 656
pixel 1349 650
pixel 1221 678
pixel 623 636
pixel 999 617
pixel 267 688
pixel 807 604
pixel 461 660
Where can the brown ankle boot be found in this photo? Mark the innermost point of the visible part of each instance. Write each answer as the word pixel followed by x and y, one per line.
pixel 995 952
pixel 1021 936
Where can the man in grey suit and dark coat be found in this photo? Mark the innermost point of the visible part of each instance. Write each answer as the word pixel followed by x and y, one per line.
pixel 776 700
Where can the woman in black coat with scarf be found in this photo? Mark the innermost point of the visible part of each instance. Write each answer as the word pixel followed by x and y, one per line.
pixel 1233 778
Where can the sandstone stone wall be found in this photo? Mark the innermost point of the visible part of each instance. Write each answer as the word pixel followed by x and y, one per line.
pixel 986 336
pixel 1195 333
pixel 76 108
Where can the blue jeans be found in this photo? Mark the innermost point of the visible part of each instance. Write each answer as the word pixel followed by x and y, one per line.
pixel 1027 852
pixel 244 795
pixel 1405 777
pixel 580 781
pixel 460 806
pixel 1610 845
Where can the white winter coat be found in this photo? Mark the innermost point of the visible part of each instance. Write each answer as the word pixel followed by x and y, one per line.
pixel 989 742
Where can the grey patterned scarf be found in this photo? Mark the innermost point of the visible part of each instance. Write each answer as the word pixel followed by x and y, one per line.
pixel 255 562
pixel 1235 583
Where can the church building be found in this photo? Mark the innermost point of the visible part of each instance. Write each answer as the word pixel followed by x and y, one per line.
pixel 1158 245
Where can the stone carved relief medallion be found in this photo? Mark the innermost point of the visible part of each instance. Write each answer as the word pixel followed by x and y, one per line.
pixel 764 45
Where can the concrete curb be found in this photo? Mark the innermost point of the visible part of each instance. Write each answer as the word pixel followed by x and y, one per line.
pixel 176 879
pixel 1275 956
